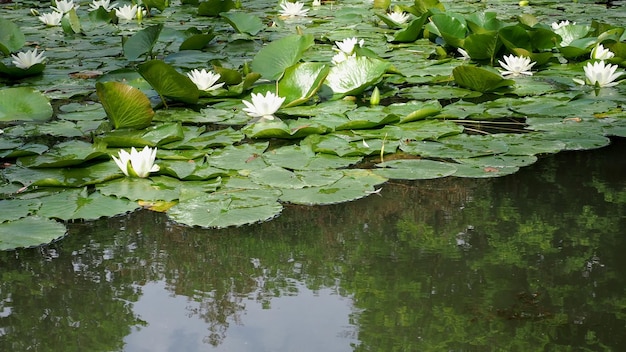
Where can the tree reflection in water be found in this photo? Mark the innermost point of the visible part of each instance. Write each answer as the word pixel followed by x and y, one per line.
pixel 527 262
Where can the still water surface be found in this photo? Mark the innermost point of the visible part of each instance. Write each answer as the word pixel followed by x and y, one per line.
pixel 528 262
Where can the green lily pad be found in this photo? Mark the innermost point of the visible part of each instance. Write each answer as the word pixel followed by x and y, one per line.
pixel 243 22
pixel 355 74
pixel 301 81
pixel 459 146
pixel 65 154
pixel 479 79
pixel 13 209
pixel 24 103
pixel 499 161
pixel 274 58
pixel 190 170
pixel 278 177
pixel 414 169
pixel 29 232
pixel 17 73
pixel 411 33
pixel 479 171
pixel 152 136
pixel 11 37
pixel 295 157
pixel 451 27
pixel 241 158
pixel 168 82
pixel 229 207
pixel 126 106
pixel 355 184
pixel 79 204
pixel 65 177
pixel 142 42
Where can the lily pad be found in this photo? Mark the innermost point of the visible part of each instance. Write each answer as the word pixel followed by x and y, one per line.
pixel 355 74
pixel 230 207
pixel 355 184
pixel 64 154
pixel 274 58
pixel 29 232
pixel 243 22
pixel 24 103
pixel 11 37
pixel 79 204
pixel 168 82
pixel 479 79
pixel 126 106
pixel 301 81
pixel 414 169
pixel 142 42
pixel 460 146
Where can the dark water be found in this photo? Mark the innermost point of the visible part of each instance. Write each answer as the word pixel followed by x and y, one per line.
pixel 534 261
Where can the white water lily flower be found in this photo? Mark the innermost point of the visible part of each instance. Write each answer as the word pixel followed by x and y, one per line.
pixel 317 3
pixel 263 106
pixel 293 9
pixel 557 25
pixel 601 53
pixel 126 12
pixel 348 45
pixel 516 65
pixel 105 4
pixel 28 59
pixel 205 80
pixel 135 163
pixel 51 19
pixel 64 6
pixel 398 17
pixel 340 57
pixel 600 75
pixel 464 54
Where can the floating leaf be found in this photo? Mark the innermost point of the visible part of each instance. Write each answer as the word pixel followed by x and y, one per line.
pixel 29 232
pixel 451 27
pixel 126 106
pixel 65 154
pixel 355 74
pixel 229 207
pixel 274 58
pixel 414 169
pixel 301 81
pixel 355 184
pixel 215 7
pixel 168 82
pixel 243 22
pixel 303 158
pixel 11 38
pixel 63 177
pixel 142 42
pixel 412 32
pixel 459 146
pixel 79 204
pixel 479 79
pixel 13 209
pixel 24 103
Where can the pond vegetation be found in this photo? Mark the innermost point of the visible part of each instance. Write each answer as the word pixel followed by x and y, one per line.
pixel 459 89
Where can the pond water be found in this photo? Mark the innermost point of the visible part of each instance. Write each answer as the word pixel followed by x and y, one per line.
pixel 527 262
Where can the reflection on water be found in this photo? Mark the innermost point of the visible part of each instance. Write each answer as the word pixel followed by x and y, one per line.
pixel 306 321
pixel 532 261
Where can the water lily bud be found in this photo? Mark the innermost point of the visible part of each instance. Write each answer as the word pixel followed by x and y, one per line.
pixel 246 69
pixel 523 3
pixel 238 4
pixel 375 98
pixel 34 12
